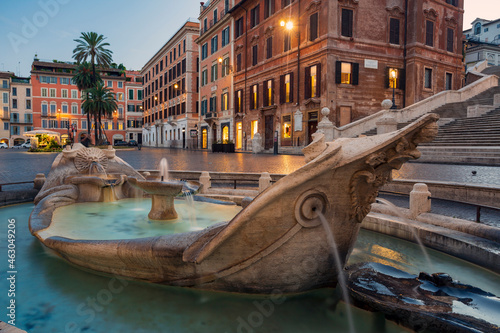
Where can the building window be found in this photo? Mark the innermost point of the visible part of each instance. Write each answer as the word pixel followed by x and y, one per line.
pixel 213 73
pixel 254 96
pixel 254 16
pixel 347 22
pixel 64 93
pixel 268 92
pixel 204 51
pixel 268 8
pixel 28 92
pixel 214 44
pixel 269 48
pixel 64 108
pixel 204 77
pixel 254 55
pixel 394 31
pixel 225 37
pixel 14 103
pixel 225 67
pixel 52 92
pixel 110 84
pixel 28 104
pixel 204 107
pixel 429 33
pixel 238 62
pixel 225 133
pixel 74 94
pixel 44 92
pixel 224 101
pixel 45 110
pixel 213 103
pixel 287 41
pixel 65 80
pixel 450 37
pixel 74 109
pixel 286 88
pixel 313 26
pixel 449 81
pixel 313 81
pixel 428 78
pixel 346 73
pixel 131 94
pixel 452 2
pixel 238 101
pixel 254 128
pixel 120 96
pixel 14 91
pixel 215 20
pixel 285 3
pixel 238 27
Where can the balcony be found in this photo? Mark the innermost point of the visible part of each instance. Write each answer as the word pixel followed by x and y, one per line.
pixel 210 118
pixel 4 115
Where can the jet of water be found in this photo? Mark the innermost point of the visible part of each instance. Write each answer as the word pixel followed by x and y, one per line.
pixel 164 170
pixel 96 168
pixel 338 264
pixel 397 211
pixel 192 210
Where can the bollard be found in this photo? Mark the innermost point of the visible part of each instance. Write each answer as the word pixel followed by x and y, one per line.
pixel 205 181
pixel 264 181
pixel 39 181
pixel 420 200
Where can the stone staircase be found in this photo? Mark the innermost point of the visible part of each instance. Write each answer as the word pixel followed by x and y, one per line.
pixel 459 110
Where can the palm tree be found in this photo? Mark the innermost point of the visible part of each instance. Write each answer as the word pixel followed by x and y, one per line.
pixel 91 45
pixel 84 79
pixel 99 100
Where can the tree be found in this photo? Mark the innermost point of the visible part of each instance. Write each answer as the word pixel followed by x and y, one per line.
pixel 84 79
pixel 99 100
pixel 91 45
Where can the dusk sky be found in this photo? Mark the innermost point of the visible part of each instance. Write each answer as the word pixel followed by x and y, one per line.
pixel 136 30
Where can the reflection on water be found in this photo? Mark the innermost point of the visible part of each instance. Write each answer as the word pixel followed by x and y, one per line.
pixel 53 296
pixel 485 175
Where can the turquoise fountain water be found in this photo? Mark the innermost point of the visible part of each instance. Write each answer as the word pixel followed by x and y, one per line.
pixel 53 296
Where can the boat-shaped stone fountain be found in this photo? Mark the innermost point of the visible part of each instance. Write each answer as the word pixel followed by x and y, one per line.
pixel 254 252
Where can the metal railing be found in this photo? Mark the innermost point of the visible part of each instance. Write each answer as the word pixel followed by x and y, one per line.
pixel 478 207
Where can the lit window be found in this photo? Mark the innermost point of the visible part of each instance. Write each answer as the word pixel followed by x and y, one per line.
pixel 225 134
pixel 287 127
pixel 254 128
pixel 287 88
pixel 313 81
pixel 346 73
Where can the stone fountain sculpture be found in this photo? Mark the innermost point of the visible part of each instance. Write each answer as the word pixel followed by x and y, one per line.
pixel 276 242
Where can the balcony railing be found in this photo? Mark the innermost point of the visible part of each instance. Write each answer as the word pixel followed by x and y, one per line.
pixel 211 115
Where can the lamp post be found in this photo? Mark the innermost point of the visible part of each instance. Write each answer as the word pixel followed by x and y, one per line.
pixel 393 74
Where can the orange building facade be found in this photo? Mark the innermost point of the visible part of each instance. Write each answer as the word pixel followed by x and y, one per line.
pixel 133 94
pixel 216 102
pixel 293 58
pixel 57 102
pixel 170 84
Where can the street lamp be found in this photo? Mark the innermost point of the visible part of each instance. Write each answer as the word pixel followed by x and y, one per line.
pixel 393 74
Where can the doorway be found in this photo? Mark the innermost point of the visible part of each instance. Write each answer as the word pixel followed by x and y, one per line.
pixel 269 132
pixel 239 135
pixel 345 115
pixel 204 138
pixel 312 125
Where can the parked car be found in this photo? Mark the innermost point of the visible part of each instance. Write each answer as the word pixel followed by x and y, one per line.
pixel 3 145
pixel 132 143
pixel 121 143
pixel 22 145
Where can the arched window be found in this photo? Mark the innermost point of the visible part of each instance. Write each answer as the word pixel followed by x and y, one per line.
pixel 477 28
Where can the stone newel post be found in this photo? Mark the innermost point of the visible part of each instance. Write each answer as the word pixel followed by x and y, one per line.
pixel 205 181
pixel 264 181
pixel 420 200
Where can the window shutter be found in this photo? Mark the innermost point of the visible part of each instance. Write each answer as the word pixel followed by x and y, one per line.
pixel 272 92
pixel 318 80
pixel 291 87
pixel 250 93
pixel 222 102
pixel 313 26
pixel 257 104
pixel 265 98
pixel 355 74
pixel 387 78
pixel 402 79
pixel 282 89
pixel 272 6
pixel 215 103
pixel 236 109
pixel 338 72
pixel 308 83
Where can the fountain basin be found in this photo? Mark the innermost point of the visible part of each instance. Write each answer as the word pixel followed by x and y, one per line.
pixel 277 232
pixel 162 194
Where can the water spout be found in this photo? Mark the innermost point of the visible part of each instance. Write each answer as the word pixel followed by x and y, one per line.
pixel 397 211
pixel 96 168
pixel 338 265
pixel 164 170
pixel 191 208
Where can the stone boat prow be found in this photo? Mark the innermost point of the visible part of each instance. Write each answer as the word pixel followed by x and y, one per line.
pixel 281 229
